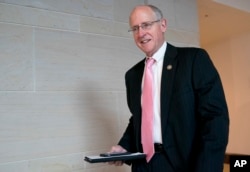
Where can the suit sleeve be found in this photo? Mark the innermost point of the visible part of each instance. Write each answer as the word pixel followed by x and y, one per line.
pixel 127 139
pixel 212 114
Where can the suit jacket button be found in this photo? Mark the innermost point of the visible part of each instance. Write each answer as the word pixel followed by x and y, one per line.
pixel 169 67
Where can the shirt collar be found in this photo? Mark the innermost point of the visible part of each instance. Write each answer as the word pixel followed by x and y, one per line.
pixel 158 56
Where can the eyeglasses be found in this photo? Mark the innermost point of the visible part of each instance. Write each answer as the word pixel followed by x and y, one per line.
pixel 144 26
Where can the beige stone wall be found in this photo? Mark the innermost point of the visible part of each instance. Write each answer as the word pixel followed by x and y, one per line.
pixel 62 65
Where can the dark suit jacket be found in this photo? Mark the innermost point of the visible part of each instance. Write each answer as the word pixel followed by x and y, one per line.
pixel 194 113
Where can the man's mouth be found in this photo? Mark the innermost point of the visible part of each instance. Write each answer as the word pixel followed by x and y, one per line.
pixel 145 41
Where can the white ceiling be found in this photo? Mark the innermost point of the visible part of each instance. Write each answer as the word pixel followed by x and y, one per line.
pixel 239 4
pixel 219 19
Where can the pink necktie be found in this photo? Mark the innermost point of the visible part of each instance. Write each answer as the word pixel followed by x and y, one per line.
pixel 147 111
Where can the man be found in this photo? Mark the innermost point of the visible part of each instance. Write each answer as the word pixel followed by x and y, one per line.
pixel 190 118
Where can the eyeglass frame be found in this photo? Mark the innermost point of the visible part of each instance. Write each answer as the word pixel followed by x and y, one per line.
pixel 143 26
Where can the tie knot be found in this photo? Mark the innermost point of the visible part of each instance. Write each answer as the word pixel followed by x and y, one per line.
pixel 150 61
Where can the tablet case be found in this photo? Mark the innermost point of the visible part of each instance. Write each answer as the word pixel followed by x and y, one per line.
pixel 131 156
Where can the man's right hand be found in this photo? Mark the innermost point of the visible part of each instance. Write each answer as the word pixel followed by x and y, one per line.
pixel 117 149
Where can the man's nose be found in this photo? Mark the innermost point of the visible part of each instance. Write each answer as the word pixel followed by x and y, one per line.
pixel 140 32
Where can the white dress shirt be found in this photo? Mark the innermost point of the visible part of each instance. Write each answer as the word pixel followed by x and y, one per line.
pixel 157 72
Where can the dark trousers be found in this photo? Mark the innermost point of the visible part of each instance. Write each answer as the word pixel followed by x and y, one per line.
pixel 159 163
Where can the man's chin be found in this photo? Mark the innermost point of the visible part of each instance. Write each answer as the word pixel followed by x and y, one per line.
pixel 146 51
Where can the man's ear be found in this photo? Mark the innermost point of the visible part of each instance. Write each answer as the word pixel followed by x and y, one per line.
pixel 163 25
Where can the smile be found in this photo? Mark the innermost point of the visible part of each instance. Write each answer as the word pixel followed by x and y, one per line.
pixel 145 41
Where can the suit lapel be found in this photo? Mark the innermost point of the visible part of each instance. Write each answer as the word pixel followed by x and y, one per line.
pixel 136 89
pixel 138 83
pixel 167 82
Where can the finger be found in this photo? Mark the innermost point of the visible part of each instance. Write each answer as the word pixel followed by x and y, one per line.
pixel 111 162
pixel 118 163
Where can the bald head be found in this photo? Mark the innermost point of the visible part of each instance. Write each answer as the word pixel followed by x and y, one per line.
pixel 155 11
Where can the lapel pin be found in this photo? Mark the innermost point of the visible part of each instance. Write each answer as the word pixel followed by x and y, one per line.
pixel 169 67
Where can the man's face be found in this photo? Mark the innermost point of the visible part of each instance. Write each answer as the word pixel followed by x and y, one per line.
pixel 149 39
